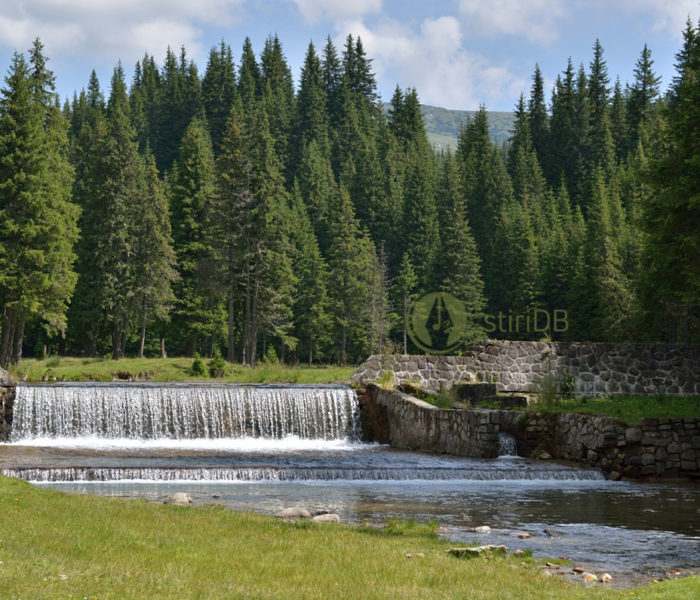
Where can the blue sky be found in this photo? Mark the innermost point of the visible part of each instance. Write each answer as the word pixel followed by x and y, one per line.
pixel 457 53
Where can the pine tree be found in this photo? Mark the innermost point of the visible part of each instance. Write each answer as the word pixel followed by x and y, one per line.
pixel 37 218
pixel 312 320
pixel 538 118
pixel 458 262
pixel 278 92
pixel 219 90
pixel 642 97
pixel 270 283
pixel 672 214
pixel 350 258
pixel 311 119
pixel 405 286
pixel 487 191
pixel 196 316
pixel 609 285
pixel 154 258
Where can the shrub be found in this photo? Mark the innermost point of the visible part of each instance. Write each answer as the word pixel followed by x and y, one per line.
pixel 197 369
pixel 217 365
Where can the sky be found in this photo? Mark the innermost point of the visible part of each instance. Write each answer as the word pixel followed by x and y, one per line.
pixel 458 54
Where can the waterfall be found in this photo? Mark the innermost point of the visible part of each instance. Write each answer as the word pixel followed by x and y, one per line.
pixel 175 412
pixel 507 445
pixel 252 474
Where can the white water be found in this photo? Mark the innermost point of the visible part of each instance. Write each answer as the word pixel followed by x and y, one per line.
pixel 92 414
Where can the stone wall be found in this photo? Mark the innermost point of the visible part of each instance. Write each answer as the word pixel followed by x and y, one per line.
pixel 656 448
pixel 7 398
pixel 583 369
pixel 411 424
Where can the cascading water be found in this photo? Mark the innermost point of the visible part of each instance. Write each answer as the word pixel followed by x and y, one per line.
pixel 507 445
pixel 178 412
pixel 223 433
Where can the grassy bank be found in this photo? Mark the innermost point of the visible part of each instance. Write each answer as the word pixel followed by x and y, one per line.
pixel 630 409
pixel 55 545
pixel 169 369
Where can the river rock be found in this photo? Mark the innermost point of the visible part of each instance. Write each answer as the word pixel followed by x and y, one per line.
pixel 482 529
pixel 178 499
pixel 471 552
pixel 293 512
pixel 523 535
pixel 590 577
pixel 606 578
pixel 327 518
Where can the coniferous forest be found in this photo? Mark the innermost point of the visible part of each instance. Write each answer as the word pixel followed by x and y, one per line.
pixel 230 211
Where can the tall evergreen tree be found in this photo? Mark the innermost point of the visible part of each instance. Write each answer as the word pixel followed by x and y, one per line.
pixel 219 90
pixel 196 316
pixel 672 214
pixel 37 218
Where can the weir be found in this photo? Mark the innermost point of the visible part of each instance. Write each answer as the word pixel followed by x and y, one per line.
pixel 182 412
pixel 200 433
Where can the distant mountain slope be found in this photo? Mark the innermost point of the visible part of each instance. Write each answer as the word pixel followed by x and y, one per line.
pixel 443 125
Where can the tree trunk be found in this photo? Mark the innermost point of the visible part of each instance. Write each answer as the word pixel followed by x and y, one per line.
pixel 18 340
pixel 231 352
pixel 163 353
pixel 142 342
pixel 405 325
pixel 8 319
pixel 342 348
pixel 117 343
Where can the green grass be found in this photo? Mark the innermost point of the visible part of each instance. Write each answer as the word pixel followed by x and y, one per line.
pixel 630 409
pixel 56 545
pixel 169 369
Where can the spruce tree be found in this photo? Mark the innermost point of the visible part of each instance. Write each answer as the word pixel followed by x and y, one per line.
pixel 197 314
pixel 37 218
pixel 219 90
pixel 672 214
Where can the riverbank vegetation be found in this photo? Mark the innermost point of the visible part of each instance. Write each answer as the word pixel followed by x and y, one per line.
pixel 172 370
pixel 56 545
pixel 178 213
pixel 630 409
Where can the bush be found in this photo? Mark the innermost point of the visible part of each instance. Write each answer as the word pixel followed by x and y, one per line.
pixel 217 365
pixel 197 369
pixel 270 357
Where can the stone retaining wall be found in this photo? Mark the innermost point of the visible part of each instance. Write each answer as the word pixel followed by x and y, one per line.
pixel 582 369
pixel 7 398
pixel 655 448
pixel 416 425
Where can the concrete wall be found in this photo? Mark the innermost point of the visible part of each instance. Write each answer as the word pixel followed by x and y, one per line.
pixel 587 369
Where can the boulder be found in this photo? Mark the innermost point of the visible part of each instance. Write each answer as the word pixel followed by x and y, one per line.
pixel 472 552
pixel 293 512
pixel 327 518
pixel 5 379
pixel 482 529
pixel 178 499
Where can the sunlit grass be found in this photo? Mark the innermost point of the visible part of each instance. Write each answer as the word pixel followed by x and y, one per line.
pixel 56 545
pixel 168 369
pixel 630 409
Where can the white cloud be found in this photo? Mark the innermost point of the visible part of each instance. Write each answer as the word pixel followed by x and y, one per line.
pixel 535 20
pixel 434 61
pixel 314 11
pixel 112 29
pixel 668 15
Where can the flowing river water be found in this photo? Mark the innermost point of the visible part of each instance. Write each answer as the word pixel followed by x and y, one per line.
pixel 263 448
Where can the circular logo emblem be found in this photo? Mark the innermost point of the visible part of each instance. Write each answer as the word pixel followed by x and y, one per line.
pixel 437 322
